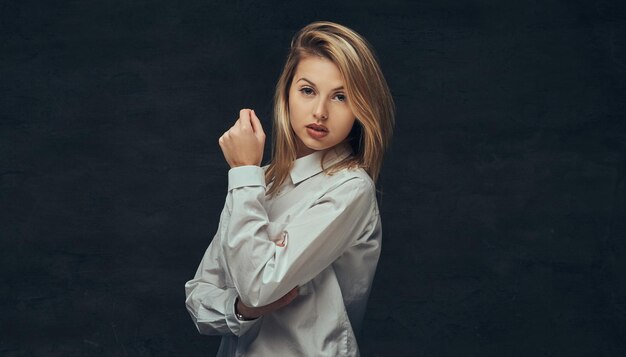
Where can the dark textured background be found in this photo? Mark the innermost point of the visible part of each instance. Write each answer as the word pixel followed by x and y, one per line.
pixel 503 196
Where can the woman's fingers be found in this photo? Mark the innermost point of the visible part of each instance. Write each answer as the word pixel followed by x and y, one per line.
pixel 249 120
pixel 264 310
pixel 242 144
pixel 288 298
pixel 244 119
pixel 293 294
pixel 256 124
pixel 283 301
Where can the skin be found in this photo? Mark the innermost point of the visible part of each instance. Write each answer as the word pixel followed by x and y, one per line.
pixel 316 96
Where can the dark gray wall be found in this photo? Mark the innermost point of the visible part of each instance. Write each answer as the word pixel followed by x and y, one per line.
pixel 503 196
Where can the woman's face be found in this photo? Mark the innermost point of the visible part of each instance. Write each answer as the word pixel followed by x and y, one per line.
pixel 318 106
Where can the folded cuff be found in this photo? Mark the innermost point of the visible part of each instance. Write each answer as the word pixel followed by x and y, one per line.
pixel 249 175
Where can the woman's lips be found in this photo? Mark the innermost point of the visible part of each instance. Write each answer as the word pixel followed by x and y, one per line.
pixel 317 131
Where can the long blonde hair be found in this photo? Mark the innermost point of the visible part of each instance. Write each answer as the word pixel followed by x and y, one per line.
pixel 368 96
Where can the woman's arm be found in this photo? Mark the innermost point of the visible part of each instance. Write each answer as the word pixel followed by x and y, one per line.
pixel 210 302
pixel 263 271
pixel 265 259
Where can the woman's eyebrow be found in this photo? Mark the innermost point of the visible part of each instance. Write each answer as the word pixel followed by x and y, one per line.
pixel 313 84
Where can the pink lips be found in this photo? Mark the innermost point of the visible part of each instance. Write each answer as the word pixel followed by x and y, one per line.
pixel 317 131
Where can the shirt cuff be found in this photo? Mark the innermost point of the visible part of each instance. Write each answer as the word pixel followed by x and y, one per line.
pixel 248 175
pixel 238 327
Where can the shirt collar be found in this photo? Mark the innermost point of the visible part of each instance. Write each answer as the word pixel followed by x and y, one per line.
pixel 310 165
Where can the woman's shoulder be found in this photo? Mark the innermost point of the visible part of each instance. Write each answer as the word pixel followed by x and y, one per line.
pixel 356 178
pixel 358 173
pixel 353 187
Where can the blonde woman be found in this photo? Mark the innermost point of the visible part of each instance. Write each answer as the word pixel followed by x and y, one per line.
pixel 290 268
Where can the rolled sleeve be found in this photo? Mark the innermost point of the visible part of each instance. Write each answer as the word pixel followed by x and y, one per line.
pixel 249 175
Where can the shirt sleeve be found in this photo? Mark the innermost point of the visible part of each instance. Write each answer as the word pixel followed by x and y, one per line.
pixel 263 271
pixel 210 302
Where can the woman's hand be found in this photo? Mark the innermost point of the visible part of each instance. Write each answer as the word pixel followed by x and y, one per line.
pixel 254 312
pixel 243 143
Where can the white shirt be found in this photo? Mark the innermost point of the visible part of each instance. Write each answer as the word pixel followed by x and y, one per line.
pixel 331 231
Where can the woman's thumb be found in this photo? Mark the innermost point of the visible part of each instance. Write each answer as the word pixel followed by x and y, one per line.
pixel 256 123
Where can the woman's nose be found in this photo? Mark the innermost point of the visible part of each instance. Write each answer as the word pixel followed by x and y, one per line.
pixel 320 111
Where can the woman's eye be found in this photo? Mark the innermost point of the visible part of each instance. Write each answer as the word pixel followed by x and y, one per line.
pixel 306 91
pixel 341 97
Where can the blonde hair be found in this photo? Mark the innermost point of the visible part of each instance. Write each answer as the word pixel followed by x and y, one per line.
pixel 366 89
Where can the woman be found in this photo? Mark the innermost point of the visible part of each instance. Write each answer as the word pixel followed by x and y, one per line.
pixel 290 268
